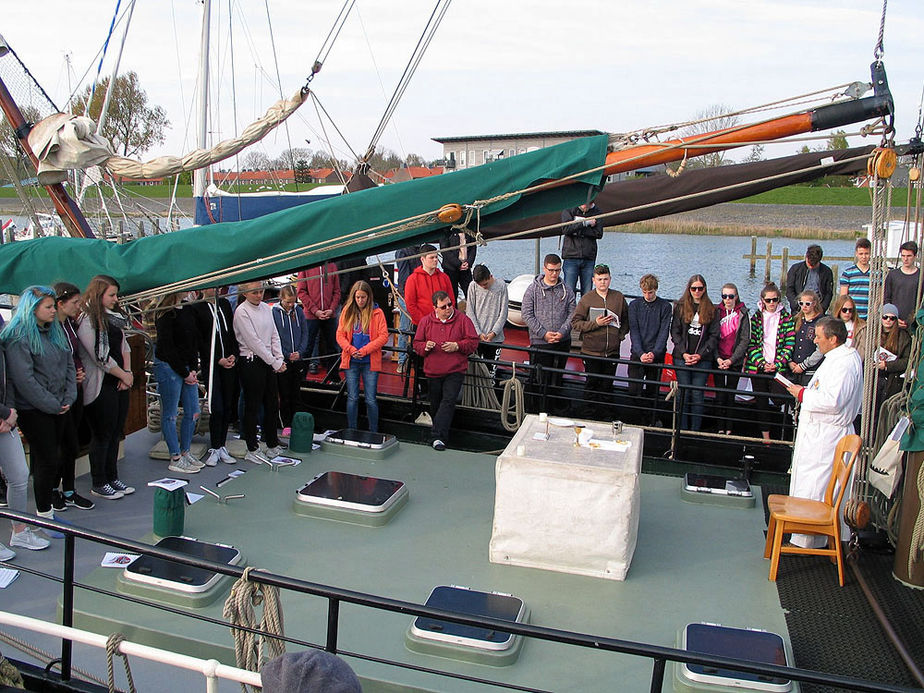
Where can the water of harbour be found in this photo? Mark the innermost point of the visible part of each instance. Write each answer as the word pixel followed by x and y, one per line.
pixel 672 258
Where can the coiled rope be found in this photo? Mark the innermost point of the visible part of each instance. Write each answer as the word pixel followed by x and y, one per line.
pixel 112 649
pixel 513 390
pixel 250 648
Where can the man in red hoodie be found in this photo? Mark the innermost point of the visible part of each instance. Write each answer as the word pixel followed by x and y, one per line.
pixel 423 283
pixel 445 338
pixel 319 294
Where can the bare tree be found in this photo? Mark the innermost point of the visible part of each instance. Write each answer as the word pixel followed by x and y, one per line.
pixel 132 125
pixel 715 117
pixel 256 161
pixel 756 154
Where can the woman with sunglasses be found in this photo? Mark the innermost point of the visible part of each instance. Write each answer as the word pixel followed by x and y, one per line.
pixel 891 356
pixel 734 331
pixel 769 348
pixel 805 357
pixel 695 333
pixel 845 309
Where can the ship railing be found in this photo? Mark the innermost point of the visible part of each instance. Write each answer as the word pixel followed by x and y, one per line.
pixel 656 405
pixel 659 655
pixel 211 669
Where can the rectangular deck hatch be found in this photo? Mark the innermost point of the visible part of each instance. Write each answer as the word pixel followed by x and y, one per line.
pixel 151 570
pixel 471 603
pixel 347 491
pixel 361 439
pixel 718 485
pixel 754 645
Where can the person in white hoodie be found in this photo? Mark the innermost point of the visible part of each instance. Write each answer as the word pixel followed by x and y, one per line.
pixel 486 304
pixel 261 359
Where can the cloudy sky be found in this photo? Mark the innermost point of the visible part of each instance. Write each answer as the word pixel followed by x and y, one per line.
pixel 495 66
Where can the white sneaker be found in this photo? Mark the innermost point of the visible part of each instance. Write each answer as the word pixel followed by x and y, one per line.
pixel 181 466
pixel 225 456
pixel 213 457
pixel 6 554
pixel 192 460
pixel 256 457
pixel 28 539
pixel 275 451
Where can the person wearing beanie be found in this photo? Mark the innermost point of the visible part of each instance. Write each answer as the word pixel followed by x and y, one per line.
pixel 312 671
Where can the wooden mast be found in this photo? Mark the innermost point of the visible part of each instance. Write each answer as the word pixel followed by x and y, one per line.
pixel 74 221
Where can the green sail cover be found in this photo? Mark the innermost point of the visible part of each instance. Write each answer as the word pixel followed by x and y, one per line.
pixel 213 253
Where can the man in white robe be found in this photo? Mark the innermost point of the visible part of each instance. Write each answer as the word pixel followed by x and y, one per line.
pixel 830 403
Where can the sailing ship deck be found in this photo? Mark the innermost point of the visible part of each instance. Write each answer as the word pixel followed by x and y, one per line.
pixel 693 563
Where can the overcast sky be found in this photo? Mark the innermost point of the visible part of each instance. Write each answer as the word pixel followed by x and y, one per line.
pixel 495 66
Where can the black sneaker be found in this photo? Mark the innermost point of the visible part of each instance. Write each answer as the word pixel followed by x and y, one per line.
pixel 57 501
pixel 2 493
pixel 75 500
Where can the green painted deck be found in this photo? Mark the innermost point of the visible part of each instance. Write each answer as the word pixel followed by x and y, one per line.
pixel 694 562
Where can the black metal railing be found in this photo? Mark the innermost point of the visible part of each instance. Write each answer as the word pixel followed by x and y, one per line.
pixel 659 655
pixel 629 398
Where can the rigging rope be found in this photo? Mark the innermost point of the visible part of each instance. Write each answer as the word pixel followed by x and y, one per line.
pixel 436 17
pixel 102 57
pixel 879 49
pixel 329 41
pixel 250 649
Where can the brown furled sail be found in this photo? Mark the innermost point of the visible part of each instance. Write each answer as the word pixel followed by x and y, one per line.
pixel 656 196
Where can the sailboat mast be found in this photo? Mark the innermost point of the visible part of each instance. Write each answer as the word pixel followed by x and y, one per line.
pixel 70 214
pixel 202 102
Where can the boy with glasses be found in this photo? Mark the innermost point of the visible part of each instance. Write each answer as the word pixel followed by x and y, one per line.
pixel 445 339
pixel 546 309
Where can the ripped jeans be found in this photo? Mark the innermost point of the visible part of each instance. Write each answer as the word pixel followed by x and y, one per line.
pixel 174 391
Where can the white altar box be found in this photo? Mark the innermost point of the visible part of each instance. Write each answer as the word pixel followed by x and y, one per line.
pixel 566 508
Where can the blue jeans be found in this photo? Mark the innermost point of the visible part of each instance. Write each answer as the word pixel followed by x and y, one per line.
pixel 575 268
pixel 404 326
pixel 691 417
pixel 370 383
pixel 173 391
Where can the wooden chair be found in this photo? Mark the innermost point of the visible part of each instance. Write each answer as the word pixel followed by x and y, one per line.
pixel 791 515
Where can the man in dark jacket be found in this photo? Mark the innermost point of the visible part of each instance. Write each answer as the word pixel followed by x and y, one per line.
pixel 579 246
pixel 445 339
pixel 406 263
pixel 458 262
pixel 811 274
pixel 649 326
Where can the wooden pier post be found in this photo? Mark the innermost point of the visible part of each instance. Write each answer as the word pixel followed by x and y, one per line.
pixel 784 269
pixel 753 255
pixel 767 261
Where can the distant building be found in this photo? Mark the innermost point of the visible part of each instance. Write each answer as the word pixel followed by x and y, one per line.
pixel 475 150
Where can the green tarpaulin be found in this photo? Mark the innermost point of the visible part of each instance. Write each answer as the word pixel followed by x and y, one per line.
pixel 323 226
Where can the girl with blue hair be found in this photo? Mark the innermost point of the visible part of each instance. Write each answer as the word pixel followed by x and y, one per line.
pixel 41 370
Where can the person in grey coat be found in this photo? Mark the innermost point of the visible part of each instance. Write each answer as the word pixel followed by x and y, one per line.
pixel 547 307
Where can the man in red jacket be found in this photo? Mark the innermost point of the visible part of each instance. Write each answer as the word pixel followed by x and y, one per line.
pixel 423 283
pixel 445 338
pixel 319 294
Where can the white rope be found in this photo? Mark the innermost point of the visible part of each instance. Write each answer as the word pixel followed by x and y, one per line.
pixel 250 649
pixel 513 390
